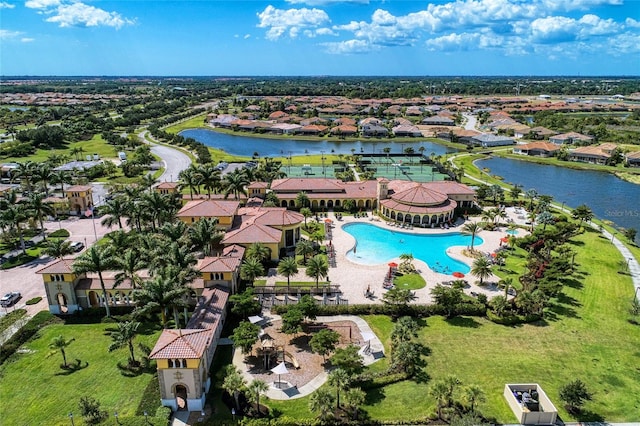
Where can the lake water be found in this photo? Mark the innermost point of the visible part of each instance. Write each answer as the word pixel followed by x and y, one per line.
pixel 246 146
pixel 608 196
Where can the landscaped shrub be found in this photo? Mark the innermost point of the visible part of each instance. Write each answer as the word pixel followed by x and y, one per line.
pixel 39 320
pixel 513 319
pixel 96 315
pixel 9 319
pixel 369 380
pixel 59 233
pixel 33 301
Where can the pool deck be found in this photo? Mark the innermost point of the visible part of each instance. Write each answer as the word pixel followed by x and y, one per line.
pixel 354 279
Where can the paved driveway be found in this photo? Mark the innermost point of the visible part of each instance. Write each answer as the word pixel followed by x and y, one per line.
pixel 24 278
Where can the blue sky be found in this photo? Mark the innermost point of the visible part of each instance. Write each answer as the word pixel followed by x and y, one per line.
pixel 320 37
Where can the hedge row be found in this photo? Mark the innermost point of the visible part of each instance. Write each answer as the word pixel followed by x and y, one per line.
pixel 96 315
pixel 513 319
pixel 59 233
pixel 25 334
pixel 369 380
pixel 470 308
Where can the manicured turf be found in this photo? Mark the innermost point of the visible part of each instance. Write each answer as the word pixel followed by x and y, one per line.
pixel 410 281
pixel 34 387
pixel 585 336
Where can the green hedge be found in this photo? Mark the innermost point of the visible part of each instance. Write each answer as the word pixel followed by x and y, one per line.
pixel 380 379
pixel 13 316
pixel 23 335
pixel 96 315
pixel 33 301
pixel 513 319
pixel 59 233
pixel 470 308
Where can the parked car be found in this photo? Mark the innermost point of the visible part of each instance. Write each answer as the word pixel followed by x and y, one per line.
pixel 10 298
pixel 76 246
pixel 222 165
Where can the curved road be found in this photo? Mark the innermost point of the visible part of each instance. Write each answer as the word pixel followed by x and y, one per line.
pixel 174 160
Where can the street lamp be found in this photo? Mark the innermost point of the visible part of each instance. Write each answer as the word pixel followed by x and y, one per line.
pixel 233 413
pixel 71 418
pixel 116 416
pixel 146 417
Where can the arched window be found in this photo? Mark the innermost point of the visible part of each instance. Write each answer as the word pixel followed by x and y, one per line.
pixel 171 364
pixel 183 363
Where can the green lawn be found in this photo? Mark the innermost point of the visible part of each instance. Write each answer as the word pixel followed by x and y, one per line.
pixel 410 281
pixel 95 145
pixel 35 388
pixel 586 335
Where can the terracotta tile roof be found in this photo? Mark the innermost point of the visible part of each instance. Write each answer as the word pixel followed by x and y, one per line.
pixel 78 188
pixel 633 155
pixel 257 185
pixel 589 151
pixel 253 233
pixel 228 262
pixel 60 266
pixel 306 185
pixel 209 208
pixel 446 207
pixel 168 185
pixel 542 146
pixel 182 344
pixel 210 309
pixel 420 195
pixel 273 216
pixel 450 187
pixel 344 129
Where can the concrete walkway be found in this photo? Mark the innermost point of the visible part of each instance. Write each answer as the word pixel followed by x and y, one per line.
pixel 376 352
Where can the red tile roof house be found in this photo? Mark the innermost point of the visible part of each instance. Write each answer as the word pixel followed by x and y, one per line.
pixel 184 356
pixel 275 227
pixel 223 210
pixel 537 149
pixel 633 159
pixel 344 130
pixel 571 138
pixel 590 154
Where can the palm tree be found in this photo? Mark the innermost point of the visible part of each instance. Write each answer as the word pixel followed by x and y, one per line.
pixel 233 383
pixel 159 294
pixel 306 212
pixel 24 172
pixel 129 264
pixel 515 192
pixel 473 395
pixel 259 252
pixel 203 235
pixel 118 240
pixel 43 173
pixel 321 401
pixel 354 399
pixel 190 178
pixel 251 269
pixel 177 260
pixel 439 391
pixel 61 177
pixel 473 229
pixel 506 283
pixel 209 178
pixel 58 248
pixel 302 200
pixel 148 181
pixel 159 207
pixel 339 379
pixel 404 330
pixel 317 267
pixel 545 218
pixel 235 183
pixel 583 213
pixel 531 194
pixel 115 209
pixel 124 335
pixel 304 248
pixel 59 344
pixel 288 267
pixel 257 388
pixel 481 268
pixel 14 215
pixel 39 208
pixel 97 259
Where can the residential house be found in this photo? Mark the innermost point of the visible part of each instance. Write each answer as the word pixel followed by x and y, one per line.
pixel 537 149
pixel 406 130
pixel 439 120
pixel 167 188
pixel 589 154
pixel 374 130
pixel 633 159
pixel 223 210
pixel 80 198
pixel 571 138
pixel 488 140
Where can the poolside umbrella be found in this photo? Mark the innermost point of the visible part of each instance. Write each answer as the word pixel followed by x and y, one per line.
pixel 328 221
pixel 458 274
pixel 504 240
pixel 393 265
pixel 280 369
pixel 255 319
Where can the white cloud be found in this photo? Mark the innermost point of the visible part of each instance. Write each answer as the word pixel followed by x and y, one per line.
pixel 348 47
pixel 246 36
pixel 281 21
pixel 5 5
pixel 630 22
pixel 465 41
pixel 70 13
pixel 557 29
pixel 27 39
pixel 8 34
pixel 41 4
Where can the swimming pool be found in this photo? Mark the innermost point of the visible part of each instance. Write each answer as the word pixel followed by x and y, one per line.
pixel 375 245
pixel 512 232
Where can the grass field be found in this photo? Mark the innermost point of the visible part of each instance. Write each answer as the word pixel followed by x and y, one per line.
pixel 585 335
pixel 95 145
pixel 410 282
pixel 34 387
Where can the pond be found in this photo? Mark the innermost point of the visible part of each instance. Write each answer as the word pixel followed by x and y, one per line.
pixel 246 146
pixel 608 196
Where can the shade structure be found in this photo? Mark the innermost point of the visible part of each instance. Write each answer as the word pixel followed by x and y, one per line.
pixel 328 221
pixel 255 319
pixel 280 369
pixel 493 254
pixel 504 239
pixel 393 265
pixel 458 274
